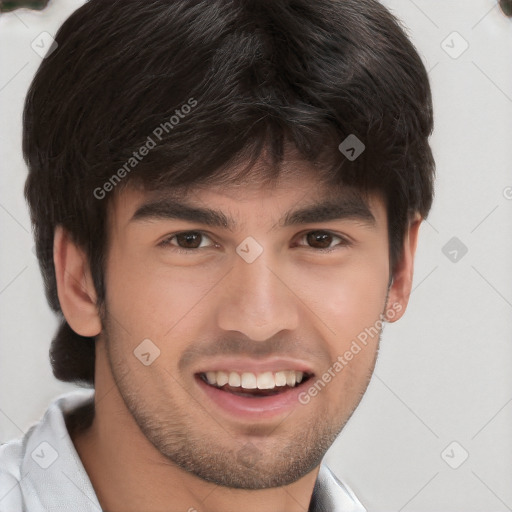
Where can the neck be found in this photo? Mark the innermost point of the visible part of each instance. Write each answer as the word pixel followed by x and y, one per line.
pixel 129 474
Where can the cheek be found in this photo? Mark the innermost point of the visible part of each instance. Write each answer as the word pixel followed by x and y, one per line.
pixel 348 303
pixel 152 301
pixel 348 298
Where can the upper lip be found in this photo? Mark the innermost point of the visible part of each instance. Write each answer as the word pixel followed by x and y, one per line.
pixel 242 365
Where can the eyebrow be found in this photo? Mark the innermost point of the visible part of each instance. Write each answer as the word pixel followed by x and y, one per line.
pixel 350 208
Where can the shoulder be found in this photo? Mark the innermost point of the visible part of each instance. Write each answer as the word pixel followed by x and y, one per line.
pixel 24 461
pixel 11 456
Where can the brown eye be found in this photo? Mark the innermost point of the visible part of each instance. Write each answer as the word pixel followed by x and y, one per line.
pixel 190 240
pixel 187 241
pixel 323 240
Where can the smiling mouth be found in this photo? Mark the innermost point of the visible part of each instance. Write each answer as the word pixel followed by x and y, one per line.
pixel 255 385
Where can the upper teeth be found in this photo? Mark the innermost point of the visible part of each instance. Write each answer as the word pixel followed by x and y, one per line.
pixel 248 380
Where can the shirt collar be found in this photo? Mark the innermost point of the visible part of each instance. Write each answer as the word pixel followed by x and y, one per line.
pixel 332 495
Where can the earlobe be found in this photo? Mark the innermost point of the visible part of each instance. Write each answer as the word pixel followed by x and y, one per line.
pixel 76 292
pixel 401 284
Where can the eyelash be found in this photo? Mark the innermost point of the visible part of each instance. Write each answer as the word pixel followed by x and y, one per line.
pixel 345 242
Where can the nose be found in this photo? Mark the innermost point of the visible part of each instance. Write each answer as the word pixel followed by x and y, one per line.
pixel 256 300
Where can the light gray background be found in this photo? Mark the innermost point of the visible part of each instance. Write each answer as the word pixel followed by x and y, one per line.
pixel 443 374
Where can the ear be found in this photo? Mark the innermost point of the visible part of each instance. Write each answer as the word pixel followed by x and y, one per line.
pixel 75 287
pixel 401 286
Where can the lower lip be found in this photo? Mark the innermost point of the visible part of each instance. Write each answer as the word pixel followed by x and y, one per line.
pixel 253 408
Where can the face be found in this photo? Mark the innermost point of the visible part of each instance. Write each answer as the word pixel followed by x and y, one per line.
pixel 242 327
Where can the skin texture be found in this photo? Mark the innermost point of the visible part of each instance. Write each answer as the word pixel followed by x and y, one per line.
pixel 157 439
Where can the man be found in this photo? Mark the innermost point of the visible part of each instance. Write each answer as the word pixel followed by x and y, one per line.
pixel 226 199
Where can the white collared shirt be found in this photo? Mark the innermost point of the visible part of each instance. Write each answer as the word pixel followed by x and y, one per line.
pixel 42 471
